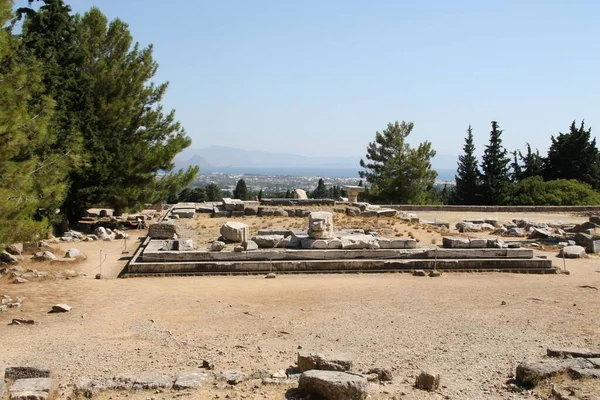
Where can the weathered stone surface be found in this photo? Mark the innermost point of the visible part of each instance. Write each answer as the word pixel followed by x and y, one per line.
pixel 75 253
pixel 7 258
pixel 217 245
pixel 334 362
pixel 319 244
pixel 334 385
pixel 233 204
pixel 572 352
pixel 464 227
pixel 307 361
pixel 43 256
pixel 291 242
pixel 184 245
pixel 478 243
pixel 387 212
pixel 31 385
pixel 572 252
pixel 250 245
pixel 16 249
pixel 434 273
pixel 164 230
pixel 495 243
pixel 456 242
pixel 267 241
pixel 320 225
pixel 232 377
pixel 29 396
pixel 300 194
pixel 60 308
pixel 89 387
pixel 150 381
pixel 584 227
pixel 14 373
pixel 419 272
pixel 383 374
pixel 427 381
pixel 190 380
pixel 270 275
pixel 353 211
pixel 251 210
pixel 514 232
pixel 235 232
pixel 280 212
pixel 532 373
pixel 334 243
pixel 184 212
pixel 539 233
pixel 590 242
pixel 359 242
pixel 595 219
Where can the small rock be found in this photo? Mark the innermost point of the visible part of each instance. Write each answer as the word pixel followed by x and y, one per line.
pixel 217 246
pixel 434 273
pixel 572 252
pixel 270 275
pixel 60 308
pixel 232 377
pixel 99 276
pixel 75 253
pixel 419 272
pixel 20 280
pixel 17 321
pixel 250 245
pixel 43 256
pixel 383 374
pixel 208 365
pixel 427 381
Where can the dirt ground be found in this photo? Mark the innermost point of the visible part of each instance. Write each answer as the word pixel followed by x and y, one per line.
pixel 455 325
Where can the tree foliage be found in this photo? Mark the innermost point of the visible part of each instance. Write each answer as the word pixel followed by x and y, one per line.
pixel 321 191
pixel 533 191
pixel 213 192
pixel 31 182
pixel 495 181
pixel 241 190
pixel 574 155
pixel 467 176
pixel 108 109
pixel 396 172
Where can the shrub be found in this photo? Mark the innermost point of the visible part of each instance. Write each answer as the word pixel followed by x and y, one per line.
pixel 561 192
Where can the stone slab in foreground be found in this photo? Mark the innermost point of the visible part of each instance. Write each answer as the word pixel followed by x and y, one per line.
pixel 334 385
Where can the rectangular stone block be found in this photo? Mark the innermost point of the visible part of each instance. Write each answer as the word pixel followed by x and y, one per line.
pixel 23 372
pixel 456 242
pixel 478 243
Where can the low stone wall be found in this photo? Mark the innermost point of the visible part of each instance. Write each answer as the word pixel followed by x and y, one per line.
pixel 547 209
pixel 297 202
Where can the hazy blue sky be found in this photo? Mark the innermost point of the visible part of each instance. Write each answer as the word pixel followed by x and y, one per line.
pixel 320 77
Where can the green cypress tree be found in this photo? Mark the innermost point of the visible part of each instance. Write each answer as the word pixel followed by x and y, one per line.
pixel 467 176
pixel 495 180
pixel 213 192
pixel 241 190
pixel 321 191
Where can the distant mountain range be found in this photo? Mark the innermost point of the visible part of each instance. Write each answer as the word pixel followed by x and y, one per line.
pixel 233 160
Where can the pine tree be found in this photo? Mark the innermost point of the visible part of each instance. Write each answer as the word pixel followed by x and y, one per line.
pixel 108 109
pixel 495 182
pixel 241 190
pixel 467 176
pixel 260 195
pixel 574 155
pixel 398 173
pixel 516 173
pixel 31 183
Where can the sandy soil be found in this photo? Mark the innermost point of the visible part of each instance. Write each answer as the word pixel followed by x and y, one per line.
pixel 455 325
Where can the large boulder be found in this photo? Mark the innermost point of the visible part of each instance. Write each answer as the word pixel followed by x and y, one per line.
pixel 235 232
pixel 590 242
pixel 334 385
pixel 572 252
pixel 456 242
pixel 162 230
pixel 353 211
pixel 320 225
pixel 300 194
